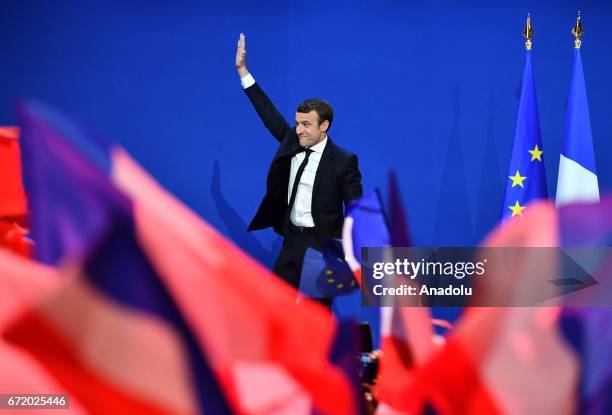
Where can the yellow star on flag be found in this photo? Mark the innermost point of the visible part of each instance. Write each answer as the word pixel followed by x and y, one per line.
pixel 517 210
pixel 536 153
pixel 517 179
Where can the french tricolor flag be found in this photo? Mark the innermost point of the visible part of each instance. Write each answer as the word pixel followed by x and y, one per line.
pixel 156 312
pixel 497 360
pixel 577 181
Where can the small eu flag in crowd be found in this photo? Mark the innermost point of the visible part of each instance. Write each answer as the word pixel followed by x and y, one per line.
pixel 325 274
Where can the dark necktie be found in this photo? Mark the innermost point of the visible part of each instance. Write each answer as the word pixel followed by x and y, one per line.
pixel 294 189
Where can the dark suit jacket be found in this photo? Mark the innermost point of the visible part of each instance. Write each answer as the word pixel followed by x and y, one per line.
pixel 337 181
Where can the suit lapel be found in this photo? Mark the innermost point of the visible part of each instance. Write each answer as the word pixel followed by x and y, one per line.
pixel 287 148
pixel 326 159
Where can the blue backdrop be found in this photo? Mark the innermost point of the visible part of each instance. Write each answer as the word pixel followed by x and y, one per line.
pixel 427 88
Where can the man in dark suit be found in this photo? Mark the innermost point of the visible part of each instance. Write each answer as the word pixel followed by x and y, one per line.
pixel 310 179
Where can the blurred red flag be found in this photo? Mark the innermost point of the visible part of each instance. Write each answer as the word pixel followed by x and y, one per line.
pixel 24 283
pixel 13 207
pixel 12 196
pixel 509 360
pixel 267 351
pixel 269 354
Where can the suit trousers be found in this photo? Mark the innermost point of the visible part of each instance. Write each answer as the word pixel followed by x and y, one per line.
pixel 288 265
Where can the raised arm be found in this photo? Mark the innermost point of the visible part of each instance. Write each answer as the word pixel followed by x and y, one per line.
pixel 272 119
pixel 241 57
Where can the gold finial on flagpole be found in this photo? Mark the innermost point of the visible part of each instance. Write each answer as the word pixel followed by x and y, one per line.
pixel 528 32
pixel 577 31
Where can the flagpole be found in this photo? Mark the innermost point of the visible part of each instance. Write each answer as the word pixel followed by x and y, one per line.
pixel 578 31
pixel 528 33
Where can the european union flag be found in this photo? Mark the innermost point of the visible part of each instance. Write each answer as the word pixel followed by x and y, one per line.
pixel 325 274
pixel 526 180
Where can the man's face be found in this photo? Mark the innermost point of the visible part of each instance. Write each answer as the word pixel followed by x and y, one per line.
pixel 308 129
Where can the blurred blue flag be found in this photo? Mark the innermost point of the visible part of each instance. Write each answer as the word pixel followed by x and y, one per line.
pixel 588 330
pixel 526 179
pixel 369 225
pixel 365 225
pixel 577 180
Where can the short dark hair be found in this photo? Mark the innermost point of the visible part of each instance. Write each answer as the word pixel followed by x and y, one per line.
pixel 323 108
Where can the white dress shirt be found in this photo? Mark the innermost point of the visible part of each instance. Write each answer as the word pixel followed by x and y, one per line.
pixel 301 214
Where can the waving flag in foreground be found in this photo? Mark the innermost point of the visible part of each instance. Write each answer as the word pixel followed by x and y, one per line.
pixel 159 313
pixel 12 196
pixel 22 284
pixel 498 360
pixel 13 209
pixel 517 360
pixel 407 337
pixel 365 225
pixel 325 274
